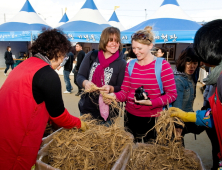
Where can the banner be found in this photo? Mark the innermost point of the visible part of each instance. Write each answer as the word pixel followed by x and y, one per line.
pixel 94 37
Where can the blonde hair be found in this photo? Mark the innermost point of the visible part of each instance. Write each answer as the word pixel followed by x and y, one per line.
pixel 148 36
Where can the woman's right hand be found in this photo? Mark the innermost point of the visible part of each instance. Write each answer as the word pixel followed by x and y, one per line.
pixel 87 85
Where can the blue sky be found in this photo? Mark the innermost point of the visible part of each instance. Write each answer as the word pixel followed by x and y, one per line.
pixel 130 13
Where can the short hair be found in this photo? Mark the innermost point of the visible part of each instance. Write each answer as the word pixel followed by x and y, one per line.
pixel 208 42
pixel 187 55
pixel 147 32
pixel 105 38
pixel 51 43
pixel 8 47
pixel 80 44
pixel 163 50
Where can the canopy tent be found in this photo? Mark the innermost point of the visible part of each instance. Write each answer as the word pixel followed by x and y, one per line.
pixel 170 24
pixel 114 21
pixel 63 20
pixel 87 19
pixel 20 26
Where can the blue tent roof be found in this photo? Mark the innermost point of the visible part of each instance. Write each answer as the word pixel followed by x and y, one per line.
pixel 168 18
pixel 27 7
pixel 26 20
pixel 89 4
pixel 167 24
pixel 173 2
pixel 114 17
pixel 64 18
pixel 87 19
pixel 170 24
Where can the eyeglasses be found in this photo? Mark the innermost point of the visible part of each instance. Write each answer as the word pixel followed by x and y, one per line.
pixel 140 36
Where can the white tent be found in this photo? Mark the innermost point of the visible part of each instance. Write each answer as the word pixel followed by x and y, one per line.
pixel 114 21
pixel 63 20
pixel 87 19
pixel 26 20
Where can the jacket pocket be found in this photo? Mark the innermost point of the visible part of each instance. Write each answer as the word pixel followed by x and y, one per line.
pixel 186 95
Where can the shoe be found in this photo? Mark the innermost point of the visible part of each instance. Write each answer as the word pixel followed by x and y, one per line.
pixel 66 92
pixel 77 94
pixel 5 74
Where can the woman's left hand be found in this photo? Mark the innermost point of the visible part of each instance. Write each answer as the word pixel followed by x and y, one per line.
pixel 143 102
pixel 107 89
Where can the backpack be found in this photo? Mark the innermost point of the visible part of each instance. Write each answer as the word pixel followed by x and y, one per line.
pixel 158 68
pixel 93 56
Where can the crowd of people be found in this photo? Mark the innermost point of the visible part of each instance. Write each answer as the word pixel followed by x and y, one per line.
pixel 31 94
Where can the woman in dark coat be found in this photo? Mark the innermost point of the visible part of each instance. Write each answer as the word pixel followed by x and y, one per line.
pixel 8 60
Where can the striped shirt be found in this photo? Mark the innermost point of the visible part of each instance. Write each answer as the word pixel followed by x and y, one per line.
pixel 145 76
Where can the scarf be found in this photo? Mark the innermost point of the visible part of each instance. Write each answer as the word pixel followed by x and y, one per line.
pixel 98 76
pixel 44 58
pixel 213 76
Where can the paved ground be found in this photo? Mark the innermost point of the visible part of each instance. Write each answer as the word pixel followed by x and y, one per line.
pixel 202 145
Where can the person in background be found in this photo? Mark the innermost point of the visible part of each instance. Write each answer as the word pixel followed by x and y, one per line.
pixel 126 55
pixel 186 66
pixel 141 114
pixel 208 47
pixel 67 63
pixel 80 57
pixel 162 52
pixel 8 60
pixel 25 56
pixel 28 98
pixel 104 68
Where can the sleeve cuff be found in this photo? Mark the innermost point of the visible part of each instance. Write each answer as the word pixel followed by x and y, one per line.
pixel 66 120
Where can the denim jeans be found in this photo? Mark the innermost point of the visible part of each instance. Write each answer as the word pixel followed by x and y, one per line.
pixel 67 80
pixel 7 67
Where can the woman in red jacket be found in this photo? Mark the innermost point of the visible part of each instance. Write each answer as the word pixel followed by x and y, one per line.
pixel 28 98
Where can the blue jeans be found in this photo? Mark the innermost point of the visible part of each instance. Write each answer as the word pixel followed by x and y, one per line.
pixel 67 80
pixel 7 67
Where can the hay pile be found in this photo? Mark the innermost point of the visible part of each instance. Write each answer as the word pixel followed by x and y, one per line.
pixel 166 152
pixel 97 148
pixel 94 90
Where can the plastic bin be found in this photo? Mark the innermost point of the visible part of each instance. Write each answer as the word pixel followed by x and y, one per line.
pixel 186 150
pixel 43 155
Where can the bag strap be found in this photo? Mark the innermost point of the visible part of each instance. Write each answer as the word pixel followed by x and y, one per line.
pixel 93 56
pixel 158 68
pixel 131 66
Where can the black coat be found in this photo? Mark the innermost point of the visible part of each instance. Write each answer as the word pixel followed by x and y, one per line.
pixel 69 63
pixel 8 58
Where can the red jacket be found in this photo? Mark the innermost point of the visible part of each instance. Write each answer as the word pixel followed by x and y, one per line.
pixel 216 108
pixel 22 120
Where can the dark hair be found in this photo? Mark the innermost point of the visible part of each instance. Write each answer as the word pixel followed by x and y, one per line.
pixel 80 44
pixel 51 43
pixel 187 55
pixel 163 50
pixel 105 38
pixel 8 47
pixel 208 42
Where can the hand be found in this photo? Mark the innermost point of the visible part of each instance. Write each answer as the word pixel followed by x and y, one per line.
pixel 84 126
pixel 178 132
pixel 107 89
pixel 58 68
pixel 143 102
pixel 109 101
pixel 184 116
pixel 87 84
